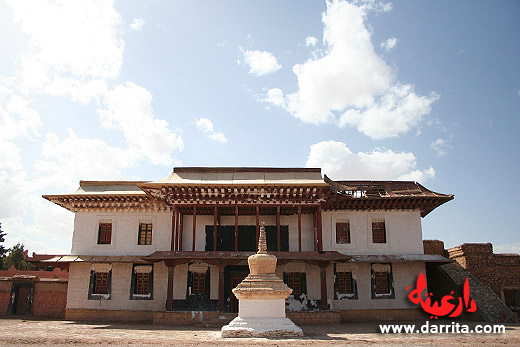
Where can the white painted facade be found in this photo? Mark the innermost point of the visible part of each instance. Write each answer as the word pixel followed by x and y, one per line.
pixel 403 236
pixel 403 232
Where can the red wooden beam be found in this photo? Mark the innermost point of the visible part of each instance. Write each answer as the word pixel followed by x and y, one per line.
pixel 169 292
pixel 194 227
pixel 323 277
pixel 236 228
pixel 278 227
pixel 257 224
pixel 215 212
pixel 299 229
pixel 319 229
pixel 181 220
pixel 173 231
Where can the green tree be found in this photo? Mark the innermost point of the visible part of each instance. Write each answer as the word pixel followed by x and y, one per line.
pixel 17 257
pixel 3 250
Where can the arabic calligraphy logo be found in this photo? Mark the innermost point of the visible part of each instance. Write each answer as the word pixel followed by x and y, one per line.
pixel 449 305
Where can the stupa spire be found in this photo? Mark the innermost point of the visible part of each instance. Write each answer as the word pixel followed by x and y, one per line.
pixel 262 242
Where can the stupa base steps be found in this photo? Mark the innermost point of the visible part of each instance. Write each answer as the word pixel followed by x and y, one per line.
pixel 261 327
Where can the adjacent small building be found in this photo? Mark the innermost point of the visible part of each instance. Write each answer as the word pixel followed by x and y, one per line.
pixel 153 250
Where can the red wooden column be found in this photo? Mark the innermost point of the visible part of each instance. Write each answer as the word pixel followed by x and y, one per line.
pixel 257 225
pixel 319 229
pixel 179 242
pixel 278 228
pixel 169 293
pixel 324 305
pixel 194 227
pixel 315 235
pixel 173 230
pixel 236 228
pixel 221 268
pixel 299 228
pixel 215 228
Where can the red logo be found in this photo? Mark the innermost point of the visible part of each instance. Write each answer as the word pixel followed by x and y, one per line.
pixel 449 306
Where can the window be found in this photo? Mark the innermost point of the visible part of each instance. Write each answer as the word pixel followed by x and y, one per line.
pixel 199 283
pixel 382 281
pixel 105 233
pixel 141 287
pixel 378 230
pixel 345 283
pixel 343 232
pixel 294 281
pixel 100 282
pixel 145 234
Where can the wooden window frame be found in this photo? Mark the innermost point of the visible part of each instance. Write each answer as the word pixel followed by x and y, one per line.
pixel 105 233
pixel 198 285
pixel 381 283
pixel 343 232
pixel 378 231
pixel 294 281
pixel 95 291
pixel 345 283
pixel 145 234
pixel 141 281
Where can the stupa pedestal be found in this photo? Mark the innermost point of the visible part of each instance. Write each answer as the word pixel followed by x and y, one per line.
pixel 261 300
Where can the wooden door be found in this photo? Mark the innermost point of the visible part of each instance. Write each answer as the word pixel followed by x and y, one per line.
pixel 22 296
pixel 235 281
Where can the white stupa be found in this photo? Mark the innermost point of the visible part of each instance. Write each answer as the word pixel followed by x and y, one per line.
pixel 261 300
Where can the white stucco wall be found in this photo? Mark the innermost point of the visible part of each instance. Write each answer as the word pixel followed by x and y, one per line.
pixel 125 228
pixel 403 232
pixel 79 277
pixel 404 275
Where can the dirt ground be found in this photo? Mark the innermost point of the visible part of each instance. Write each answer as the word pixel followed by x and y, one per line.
pixel 48 332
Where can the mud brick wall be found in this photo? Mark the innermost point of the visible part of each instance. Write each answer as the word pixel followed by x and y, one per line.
pixel 498 271
pixel 49 299
pixel 5 295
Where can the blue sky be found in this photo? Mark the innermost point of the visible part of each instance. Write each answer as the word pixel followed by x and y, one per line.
pixel 419 90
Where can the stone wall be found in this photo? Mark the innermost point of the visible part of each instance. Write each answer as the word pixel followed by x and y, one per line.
pixel 498 271
pixel 434 247
pixel 93 315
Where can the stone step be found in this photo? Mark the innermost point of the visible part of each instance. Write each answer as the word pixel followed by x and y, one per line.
pixel 489 305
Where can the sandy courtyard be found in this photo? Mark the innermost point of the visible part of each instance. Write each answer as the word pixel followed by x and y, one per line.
pixel 48 332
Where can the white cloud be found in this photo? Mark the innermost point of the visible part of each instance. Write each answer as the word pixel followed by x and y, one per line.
pixel 310 41
pixel 389 44
pixel 205 126
pixel 349 84
pixel 261 63
pixel 396 112
pixel 65 162
pixel 17 118
pixel 507 248
pixel 128 108
pixel 275 97
pixel 439 146
pixel 137 24
pixel 340 163
pixel 73 41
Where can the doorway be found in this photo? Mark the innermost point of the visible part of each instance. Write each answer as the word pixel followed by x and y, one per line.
pixel 233 275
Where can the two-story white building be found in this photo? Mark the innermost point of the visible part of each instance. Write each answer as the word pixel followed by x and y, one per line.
pixel 181 243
